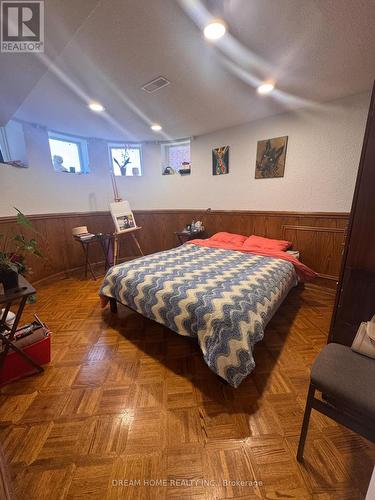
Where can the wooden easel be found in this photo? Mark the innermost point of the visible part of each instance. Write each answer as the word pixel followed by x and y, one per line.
pixel 116 243
pixel 116 236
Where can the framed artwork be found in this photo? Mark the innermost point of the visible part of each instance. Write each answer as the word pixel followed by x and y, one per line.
pixel 220 160
pixel 271 155
pixel 122 216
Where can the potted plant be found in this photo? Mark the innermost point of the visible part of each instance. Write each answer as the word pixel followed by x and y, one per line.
pixel 14 251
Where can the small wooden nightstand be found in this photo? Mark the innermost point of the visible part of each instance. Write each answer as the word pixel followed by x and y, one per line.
pixel 184 236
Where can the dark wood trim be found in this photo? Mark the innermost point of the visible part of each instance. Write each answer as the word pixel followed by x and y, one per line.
pixel 56 215
pixel 316 228
pixel 103 213
pixel 270 213
pixel 328 277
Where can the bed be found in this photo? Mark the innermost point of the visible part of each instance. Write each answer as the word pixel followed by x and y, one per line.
pixel 221 296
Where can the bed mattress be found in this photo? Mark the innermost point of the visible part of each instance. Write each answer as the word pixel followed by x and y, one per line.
pixel 223 298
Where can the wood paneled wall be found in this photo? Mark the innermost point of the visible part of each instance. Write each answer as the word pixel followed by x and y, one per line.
pixel 318 236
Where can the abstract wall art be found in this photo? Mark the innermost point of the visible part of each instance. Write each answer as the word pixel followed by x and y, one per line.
pixel 270 161
pixel 220 160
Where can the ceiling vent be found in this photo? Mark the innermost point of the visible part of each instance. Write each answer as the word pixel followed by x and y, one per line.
pixel 156 84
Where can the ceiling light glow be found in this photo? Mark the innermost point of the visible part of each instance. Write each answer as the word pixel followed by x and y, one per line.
pixel 265 88
pixel 156 127
pixel 96 106
pixel 215 29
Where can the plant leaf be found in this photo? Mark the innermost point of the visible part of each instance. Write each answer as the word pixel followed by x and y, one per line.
pixel 22 220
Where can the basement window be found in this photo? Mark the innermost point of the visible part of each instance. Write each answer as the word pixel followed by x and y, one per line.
pixel 68 154
pixel 126 160
pixel 13 145
pixel 176 158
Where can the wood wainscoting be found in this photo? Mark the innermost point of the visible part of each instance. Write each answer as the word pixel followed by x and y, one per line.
pixel 318 236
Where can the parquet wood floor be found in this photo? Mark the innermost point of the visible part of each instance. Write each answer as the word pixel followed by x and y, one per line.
pixel 124 399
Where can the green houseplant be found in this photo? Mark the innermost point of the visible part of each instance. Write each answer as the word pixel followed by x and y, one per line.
pixel 14 252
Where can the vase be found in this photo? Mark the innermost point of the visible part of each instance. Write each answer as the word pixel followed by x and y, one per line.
pixel 9 279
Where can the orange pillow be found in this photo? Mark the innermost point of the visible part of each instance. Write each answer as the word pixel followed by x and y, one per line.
pixel 222 237
pixel 259 242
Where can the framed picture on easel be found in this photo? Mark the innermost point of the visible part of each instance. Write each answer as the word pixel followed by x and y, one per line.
pixel 124 221
pixel 122 216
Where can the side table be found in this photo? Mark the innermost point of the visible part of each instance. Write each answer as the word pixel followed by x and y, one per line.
pixel 105 241
pixel 184 236
pixel 15 296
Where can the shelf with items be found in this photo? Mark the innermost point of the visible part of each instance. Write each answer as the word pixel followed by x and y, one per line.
pixel 23 350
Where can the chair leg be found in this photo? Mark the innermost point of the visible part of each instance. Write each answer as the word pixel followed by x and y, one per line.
pixel 305 423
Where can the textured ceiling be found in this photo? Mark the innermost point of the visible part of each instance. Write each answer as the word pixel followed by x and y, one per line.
pixel 105 50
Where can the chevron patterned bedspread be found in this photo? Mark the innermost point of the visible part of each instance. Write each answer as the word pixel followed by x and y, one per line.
pixel 224 298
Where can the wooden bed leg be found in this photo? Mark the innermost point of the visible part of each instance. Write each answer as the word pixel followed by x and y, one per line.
pixel 113 305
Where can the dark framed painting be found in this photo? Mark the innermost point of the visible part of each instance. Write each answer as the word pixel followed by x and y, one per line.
pixel 220 160
pixel 271 155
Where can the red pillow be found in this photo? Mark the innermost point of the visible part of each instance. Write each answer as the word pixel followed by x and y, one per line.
pixel 259 242
pixel 235 239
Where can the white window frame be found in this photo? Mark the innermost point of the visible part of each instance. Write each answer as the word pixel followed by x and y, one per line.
pixel 4 145
pixel 165 146
pixel 13 148
pixel 122 145
pixel 81 146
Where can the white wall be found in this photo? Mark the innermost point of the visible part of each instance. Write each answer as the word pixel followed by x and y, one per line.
pixel 322 160
pixel 39 189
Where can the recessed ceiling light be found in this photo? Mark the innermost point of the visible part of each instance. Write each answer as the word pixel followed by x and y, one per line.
pixel 215 29
pixel 265 88
pixel 156 127
pixel 96 106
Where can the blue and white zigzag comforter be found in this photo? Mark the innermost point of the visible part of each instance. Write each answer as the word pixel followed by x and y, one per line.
pixel 224 298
